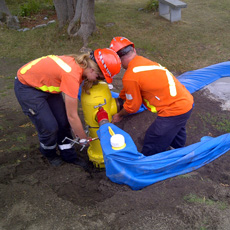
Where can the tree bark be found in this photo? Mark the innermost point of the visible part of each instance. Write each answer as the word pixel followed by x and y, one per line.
pixel 4 11
pixel 79 14
pixel 6 17
pixel 65 11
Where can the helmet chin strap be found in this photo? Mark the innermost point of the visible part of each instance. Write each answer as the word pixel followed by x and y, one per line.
pixel 91 55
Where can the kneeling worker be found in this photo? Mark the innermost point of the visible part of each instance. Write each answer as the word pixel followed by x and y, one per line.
pixel 149 83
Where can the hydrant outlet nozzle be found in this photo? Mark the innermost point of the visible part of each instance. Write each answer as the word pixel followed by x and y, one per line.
pixel 101 115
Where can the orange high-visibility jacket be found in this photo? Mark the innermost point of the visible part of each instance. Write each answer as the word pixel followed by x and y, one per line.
pixel 53 74
pixel 149 83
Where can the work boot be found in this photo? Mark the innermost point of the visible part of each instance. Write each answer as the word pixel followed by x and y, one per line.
pixel 56 161
pixel 81 162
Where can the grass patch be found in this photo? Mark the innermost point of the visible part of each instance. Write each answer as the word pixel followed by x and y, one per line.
pixel 192 198
pixel 21 138
pixel 152 6
pixel 218 122
pixel 187 175
pixel 18 148
pixel 25 8
pixel 200 39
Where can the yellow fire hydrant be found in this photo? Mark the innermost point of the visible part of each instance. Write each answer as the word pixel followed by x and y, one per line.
pixel 100 96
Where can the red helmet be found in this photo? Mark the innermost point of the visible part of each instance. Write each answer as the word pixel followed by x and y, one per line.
pixel 119 43
pixel 109 63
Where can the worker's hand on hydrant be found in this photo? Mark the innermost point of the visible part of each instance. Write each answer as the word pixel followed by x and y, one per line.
pixel 116 118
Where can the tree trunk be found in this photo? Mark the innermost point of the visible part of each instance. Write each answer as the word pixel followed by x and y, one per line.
pixel 6 17
pixel 84 14
pixel 79 14
pixel 4 11
pixel 65 11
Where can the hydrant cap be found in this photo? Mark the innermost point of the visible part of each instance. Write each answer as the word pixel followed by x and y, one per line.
pixel 109 63
pixel 117 142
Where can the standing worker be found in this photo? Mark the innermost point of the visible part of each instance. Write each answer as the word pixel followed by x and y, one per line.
pixel 39 86
pixel 149 83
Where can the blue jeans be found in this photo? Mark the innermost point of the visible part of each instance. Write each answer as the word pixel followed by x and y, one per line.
pixel 165 132
pixel 48 114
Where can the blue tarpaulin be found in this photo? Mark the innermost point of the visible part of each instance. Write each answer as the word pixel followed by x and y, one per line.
pixel 130 167
pixel 197 79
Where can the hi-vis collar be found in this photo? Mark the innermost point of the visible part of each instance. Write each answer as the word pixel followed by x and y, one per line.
pixel 58 60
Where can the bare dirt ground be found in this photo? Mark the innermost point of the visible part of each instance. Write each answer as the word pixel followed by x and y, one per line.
pixel 36 196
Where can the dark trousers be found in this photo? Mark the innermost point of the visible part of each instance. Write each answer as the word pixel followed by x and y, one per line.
pixel 165 132
pixel 48 114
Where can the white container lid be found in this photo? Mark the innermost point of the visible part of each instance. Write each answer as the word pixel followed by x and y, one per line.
pixel 117 142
